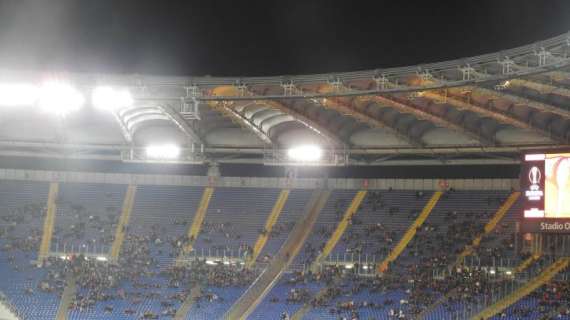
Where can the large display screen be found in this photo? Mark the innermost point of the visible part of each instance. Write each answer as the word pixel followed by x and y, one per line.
pixel 557 185
pixel 545 183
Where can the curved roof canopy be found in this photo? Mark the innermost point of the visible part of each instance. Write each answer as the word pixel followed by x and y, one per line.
pixel 484 109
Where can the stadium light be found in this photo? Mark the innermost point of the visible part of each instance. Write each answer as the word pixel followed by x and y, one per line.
pixel 59 98
pixel 167 151
pixel 109 99
pixel 305 153
pixel 18 94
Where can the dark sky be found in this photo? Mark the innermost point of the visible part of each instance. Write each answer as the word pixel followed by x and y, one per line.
pixel 240 38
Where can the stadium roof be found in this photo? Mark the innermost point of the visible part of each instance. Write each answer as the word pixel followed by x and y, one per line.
pixel 477 110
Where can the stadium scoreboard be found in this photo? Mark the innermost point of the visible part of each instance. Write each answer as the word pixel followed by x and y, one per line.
pixel 545 187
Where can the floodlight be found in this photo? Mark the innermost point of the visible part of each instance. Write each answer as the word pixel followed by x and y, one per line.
pixel 101 258
pixel 349 266
pixel 211 262
pixel 107 98
pixel 167 151
pixel 59 98
pixel 305 153
pixel 18 94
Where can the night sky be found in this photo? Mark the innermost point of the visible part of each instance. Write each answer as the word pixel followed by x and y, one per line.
pixel 240 38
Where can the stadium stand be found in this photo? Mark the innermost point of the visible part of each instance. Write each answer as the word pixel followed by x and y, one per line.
pixel 218 245
pixel 153 242
pixel 152 280
pixel 87 216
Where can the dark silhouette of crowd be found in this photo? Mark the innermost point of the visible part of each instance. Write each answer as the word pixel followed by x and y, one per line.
pixel 434 247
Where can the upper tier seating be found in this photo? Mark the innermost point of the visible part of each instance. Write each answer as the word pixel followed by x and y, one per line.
pixel 145 280
pixel 382 218
pixel 22 208
pixel 87 216
pixel 326 223
pixel 234 219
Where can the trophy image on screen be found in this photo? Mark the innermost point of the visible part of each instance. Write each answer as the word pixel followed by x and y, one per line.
pixel 558 186
pixel 534 176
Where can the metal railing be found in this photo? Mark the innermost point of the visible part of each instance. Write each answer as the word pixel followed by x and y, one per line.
pixel 62 248
pixel 551 52
pixel 210 255
pixel 503 288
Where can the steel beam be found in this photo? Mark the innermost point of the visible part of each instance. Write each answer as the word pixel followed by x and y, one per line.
pixel 548 55
pixel 495 114
pixel 520 100
pixel 113 152
pixel 428 116
pixel 181 124
pixel 124 129
pixel 226 109
pixel 132 116
pixel 249 160
pixel 307 122
pixel 540 87
pixel 304 120
pixel 544 107
pixel 350 110
pixel 420 114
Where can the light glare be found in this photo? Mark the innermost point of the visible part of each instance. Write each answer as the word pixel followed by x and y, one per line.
pixel 18 94
pixel 107 98
pixel 60 98
pixel 534 157
pixel 167 151
pixel 305 153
